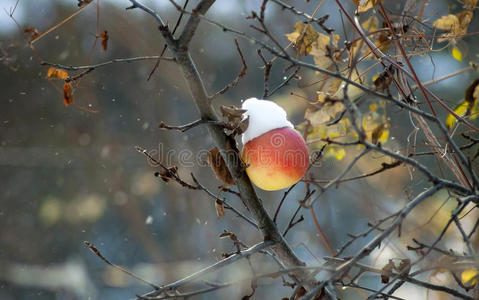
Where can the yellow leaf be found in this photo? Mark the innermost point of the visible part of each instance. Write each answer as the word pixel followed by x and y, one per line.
pixel 322 96
pixel 469 277
pixel 336 152
pixel 303 37
pixel 456 53
pixel 463 109
pixel 340 131
pixel 375 125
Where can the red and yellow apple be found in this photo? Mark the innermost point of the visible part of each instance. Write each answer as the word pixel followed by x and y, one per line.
pixel 276 159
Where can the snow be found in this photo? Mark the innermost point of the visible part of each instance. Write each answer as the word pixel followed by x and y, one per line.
pixel 263 116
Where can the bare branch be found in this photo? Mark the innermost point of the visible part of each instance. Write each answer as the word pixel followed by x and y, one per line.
pixel 113 61
pixel 241 74
pixel 218 265
pixel 107 261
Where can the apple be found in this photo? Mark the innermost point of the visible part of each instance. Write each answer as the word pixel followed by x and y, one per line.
pixel 275 153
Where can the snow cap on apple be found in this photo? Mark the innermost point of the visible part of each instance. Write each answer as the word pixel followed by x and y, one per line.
pixel 275 153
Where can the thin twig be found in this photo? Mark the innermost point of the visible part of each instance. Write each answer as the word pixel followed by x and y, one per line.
pixel 241 74
pixel 98 253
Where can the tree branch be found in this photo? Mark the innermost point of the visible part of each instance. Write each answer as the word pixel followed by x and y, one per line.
pixel 223 142
pixel 218 265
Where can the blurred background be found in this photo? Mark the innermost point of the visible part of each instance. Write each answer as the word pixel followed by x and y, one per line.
pixel 70 174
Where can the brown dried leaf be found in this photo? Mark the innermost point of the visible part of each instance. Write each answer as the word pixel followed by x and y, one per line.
pixel 322 50
pixel 233 116
pixel 104 39
pixel 386 271
pixel 242 126
pixel 232 112
pixel 67 94
pixel 377 133
pixel 472 91
pixel 227 234
pixel 217 163
pixel 166 174
pixel 327 112
pixel 449 23
pixel 57 73
pixel 300 293
pixel 82 3
pixel 303 37
pixel 33 32
pixel 220 209
pixel 404 266
pixel 455 25
pixel 384 80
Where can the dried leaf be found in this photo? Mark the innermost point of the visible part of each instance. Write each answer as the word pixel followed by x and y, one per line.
pixel 33 32
pixel 218 165
pixel 465 18
pixel 166 174
pixel 242 126
pixel 234 118
pixel 300 293
pixel 67 94
pixel 384 80
pixel 386 271
pixel 455 25
pixel 323 49
pixel 104 39
pixel 449 23
pixel 82 3
pixel 220 210
pixel 404 266
pixel 472 91
pixel 383 41
pixel 226 234
pixel 57 73
pixel 303 37
pixel 327 112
